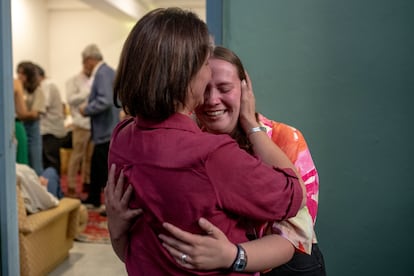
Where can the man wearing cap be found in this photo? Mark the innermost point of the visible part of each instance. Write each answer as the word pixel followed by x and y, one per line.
pixel 104 116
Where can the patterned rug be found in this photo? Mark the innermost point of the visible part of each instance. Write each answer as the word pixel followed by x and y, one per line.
pixel 96 230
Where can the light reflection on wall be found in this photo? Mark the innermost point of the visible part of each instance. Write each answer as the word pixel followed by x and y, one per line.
pixel 29 31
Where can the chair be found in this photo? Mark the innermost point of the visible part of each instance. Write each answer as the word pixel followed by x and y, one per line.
pixel 46 237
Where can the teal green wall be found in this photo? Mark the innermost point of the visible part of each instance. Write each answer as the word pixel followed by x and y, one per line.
pixel 343 73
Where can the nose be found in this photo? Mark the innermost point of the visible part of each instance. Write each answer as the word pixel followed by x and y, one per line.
pixel 212 96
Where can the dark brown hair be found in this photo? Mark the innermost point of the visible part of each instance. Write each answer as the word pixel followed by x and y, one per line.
pixel 29 69
pixel 163 52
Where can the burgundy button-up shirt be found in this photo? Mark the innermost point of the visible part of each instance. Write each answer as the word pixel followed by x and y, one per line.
pixel 180 174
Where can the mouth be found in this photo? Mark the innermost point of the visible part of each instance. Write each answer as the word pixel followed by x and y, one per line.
pixel 214 113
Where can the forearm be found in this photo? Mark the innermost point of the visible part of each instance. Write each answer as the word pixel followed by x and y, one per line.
pixel 215 251
pixel 269 152
pixel 120 216
pixel 28 115
pixel 119 245
pixel 21 111
pixel 272 155
pixel 268 252
pixel 95 106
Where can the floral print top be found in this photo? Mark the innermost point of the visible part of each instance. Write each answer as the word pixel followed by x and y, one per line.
pixel 299 229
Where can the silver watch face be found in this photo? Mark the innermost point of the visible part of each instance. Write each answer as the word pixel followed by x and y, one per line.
pixel 241 261
pixel 240 265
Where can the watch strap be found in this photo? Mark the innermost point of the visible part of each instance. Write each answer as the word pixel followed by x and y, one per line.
pixel 240 262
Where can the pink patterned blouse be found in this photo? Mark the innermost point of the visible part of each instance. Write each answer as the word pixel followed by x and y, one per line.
pixel 299 229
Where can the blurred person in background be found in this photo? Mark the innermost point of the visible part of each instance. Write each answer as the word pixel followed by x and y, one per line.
pixel 22 154
pixel 104 116
pixel 28 75
pixel 52 126
pixel 78 89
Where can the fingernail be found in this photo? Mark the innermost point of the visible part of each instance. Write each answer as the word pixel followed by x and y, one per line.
pixel 244 82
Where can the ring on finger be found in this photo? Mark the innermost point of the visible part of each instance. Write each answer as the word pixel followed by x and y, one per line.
pixel 184 258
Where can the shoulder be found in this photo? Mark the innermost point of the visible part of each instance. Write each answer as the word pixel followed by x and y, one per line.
pixel 18 86
pixel 123 125
pixel 287 130
pixel 53 85
pixel 287 137
pixel 105 69
pixel 281 130
pixel 39 92
pixel 53 89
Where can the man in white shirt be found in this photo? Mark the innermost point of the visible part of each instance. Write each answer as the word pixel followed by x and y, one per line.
pixel 77 92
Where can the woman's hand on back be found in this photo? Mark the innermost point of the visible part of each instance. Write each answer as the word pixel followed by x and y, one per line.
pixel 120 216
pixel 204 252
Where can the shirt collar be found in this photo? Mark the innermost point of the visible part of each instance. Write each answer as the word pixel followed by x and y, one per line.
pixel 95 69
pixel 175 121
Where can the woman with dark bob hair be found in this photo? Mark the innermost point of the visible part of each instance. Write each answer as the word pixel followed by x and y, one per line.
pixel 177 173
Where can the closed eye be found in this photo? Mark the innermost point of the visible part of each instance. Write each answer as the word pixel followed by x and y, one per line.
pixel 225 88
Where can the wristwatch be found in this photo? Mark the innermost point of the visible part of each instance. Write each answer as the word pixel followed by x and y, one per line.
pixel 240 262
pixel 257 129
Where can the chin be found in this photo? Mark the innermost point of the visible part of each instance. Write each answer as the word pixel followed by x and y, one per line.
pixel 217 129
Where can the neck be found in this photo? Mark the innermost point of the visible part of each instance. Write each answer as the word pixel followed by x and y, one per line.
pixel 185 112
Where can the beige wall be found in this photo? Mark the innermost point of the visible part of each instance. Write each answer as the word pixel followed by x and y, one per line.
pixel 30 31
pixel 54 36
pixel 71 31
pixel 53 33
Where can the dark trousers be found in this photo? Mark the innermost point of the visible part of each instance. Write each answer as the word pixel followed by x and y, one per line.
pixel 302 264
pixel 99 173
pixel 51 151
